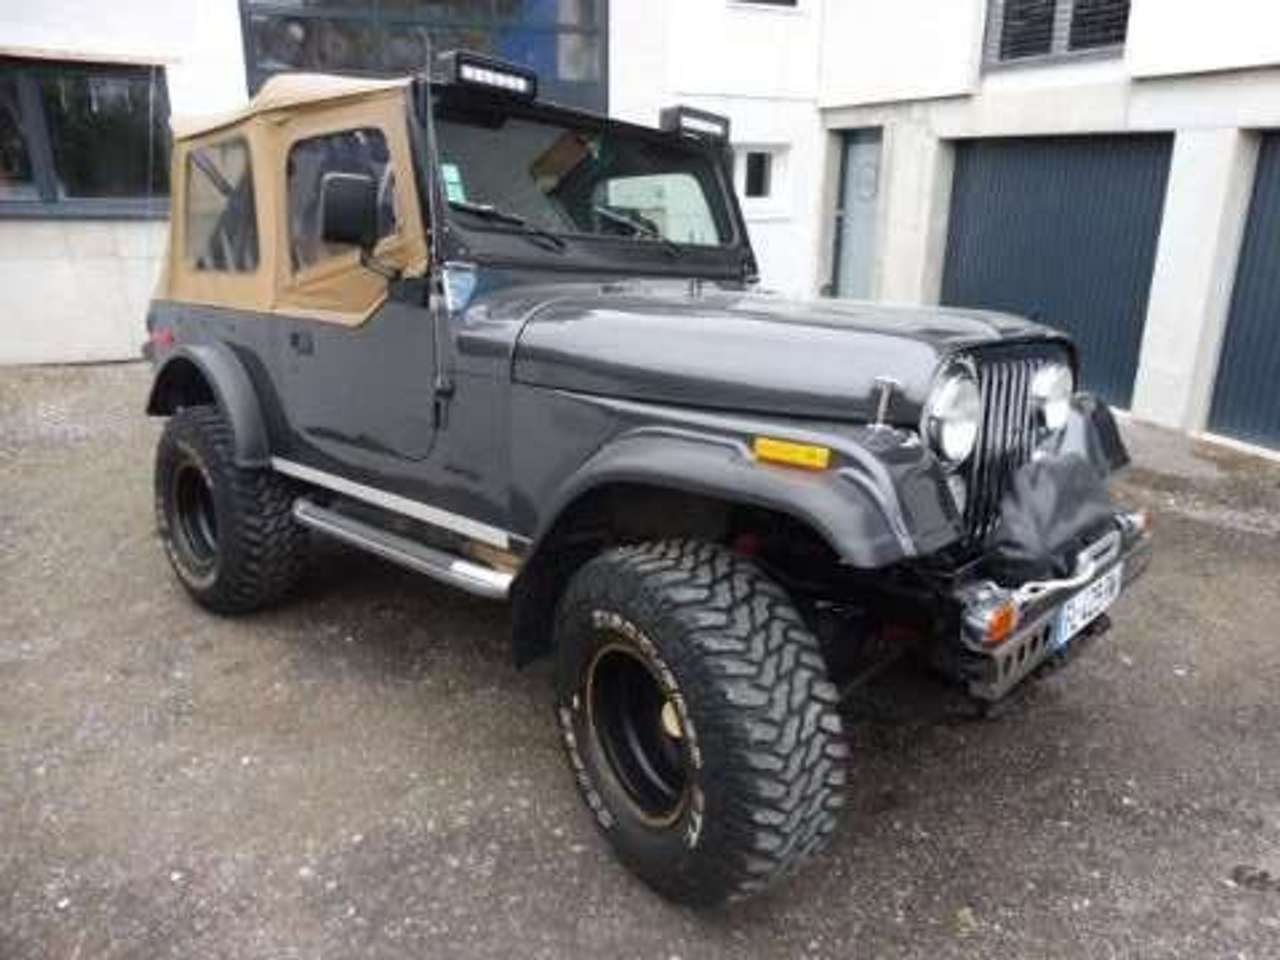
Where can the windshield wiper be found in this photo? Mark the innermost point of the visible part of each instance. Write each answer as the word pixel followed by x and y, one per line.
pixel 639 229
pixel 490 212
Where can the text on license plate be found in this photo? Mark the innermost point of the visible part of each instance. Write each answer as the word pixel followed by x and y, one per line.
pixel 1086 605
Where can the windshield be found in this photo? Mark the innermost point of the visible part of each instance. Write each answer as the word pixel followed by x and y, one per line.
pixel 578 180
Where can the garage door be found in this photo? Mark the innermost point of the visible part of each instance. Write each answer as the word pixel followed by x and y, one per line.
pixel 1246 398
pixel 1063 229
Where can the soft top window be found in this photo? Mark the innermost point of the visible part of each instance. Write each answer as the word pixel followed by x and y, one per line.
pixel 363 151
pixel 221 222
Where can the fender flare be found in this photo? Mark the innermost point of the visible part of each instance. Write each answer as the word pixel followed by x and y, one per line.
pixel 233 392
pixel 854 507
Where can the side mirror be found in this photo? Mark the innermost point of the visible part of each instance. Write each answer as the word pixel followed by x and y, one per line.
pixel 349 210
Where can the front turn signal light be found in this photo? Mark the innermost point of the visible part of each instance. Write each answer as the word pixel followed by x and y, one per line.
pixel 788 453
pixel 1002 620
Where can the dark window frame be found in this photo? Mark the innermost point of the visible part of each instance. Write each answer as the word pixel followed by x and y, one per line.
pixel 36 133
pixel 1061 39
pixel 372 17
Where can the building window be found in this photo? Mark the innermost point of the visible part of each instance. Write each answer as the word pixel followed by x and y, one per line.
pixel 1020 31
pixel 760 178
pixel 222 222
pixel 756 179
pixel 83 140
pixel 565 41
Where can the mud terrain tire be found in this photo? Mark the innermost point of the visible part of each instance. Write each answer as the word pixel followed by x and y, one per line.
pixel 742 783
pixel 229 532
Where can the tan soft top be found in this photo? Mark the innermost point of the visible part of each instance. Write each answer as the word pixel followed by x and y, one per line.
pixel 283 91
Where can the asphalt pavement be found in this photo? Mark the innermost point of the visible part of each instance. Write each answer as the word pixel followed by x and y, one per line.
pixel 361 773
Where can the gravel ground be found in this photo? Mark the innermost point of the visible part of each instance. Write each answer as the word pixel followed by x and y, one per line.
pixel 361 773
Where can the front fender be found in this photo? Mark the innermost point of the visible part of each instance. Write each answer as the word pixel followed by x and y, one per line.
pixel 874 507
pixel 232 391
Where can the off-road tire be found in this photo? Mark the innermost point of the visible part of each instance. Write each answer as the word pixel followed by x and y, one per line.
pixel 257 551
pixel 762 747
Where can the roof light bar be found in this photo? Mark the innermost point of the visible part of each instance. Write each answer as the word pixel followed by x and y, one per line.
pixel 487 73
pixel 694 123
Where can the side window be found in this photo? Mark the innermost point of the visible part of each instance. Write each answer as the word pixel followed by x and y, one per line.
pixel 222 225
pixel 362 151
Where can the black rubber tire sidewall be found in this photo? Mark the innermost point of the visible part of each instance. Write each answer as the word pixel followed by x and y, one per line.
pixel 261 550
pixel 184 444
pixel 732 841
pixel 665 856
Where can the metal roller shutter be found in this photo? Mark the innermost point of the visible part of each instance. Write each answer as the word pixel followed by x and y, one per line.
pixel 1063 229
pixel 1246 398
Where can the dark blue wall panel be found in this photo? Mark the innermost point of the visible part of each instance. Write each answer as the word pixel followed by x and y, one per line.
pixel 1246 398
pixel 1063 229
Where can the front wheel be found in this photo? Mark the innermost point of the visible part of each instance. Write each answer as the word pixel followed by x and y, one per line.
pixel 698 719
pixel 229 531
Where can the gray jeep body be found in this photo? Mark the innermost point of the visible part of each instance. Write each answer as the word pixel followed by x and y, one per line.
pixel 538 403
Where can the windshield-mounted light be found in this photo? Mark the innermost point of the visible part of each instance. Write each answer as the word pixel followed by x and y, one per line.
pixel 473 70
pixel 695 123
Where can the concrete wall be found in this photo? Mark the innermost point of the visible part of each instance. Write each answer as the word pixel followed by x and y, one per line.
pixel 77 290
pixel 900 49
pixel 1189 36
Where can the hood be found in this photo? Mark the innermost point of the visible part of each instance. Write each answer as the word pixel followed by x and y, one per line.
pixel 670 343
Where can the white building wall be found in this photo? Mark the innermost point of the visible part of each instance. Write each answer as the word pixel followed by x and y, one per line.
pixel 1190 36
pixel 885 50
pixel 77 290
pixel 759 66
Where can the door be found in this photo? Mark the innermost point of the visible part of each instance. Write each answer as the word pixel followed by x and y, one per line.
pixel 1062 229
pixel 855 233
pixel 1246 396
pixel 357 372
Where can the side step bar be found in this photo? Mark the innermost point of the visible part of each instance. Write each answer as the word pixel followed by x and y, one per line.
pixel 447 567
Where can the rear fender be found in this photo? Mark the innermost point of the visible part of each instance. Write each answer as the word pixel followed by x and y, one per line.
pixel 232 391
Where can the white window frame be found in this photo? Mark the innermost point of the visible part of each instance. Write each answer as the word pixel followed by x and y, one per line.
pixel 777 205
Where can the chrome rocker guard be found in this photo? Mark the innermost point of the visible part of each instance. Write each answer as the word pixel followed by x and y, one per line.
pixel 995 669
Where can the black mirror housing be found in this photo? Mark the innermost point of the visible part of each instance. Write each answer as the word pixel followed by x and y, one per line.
pixel 349 210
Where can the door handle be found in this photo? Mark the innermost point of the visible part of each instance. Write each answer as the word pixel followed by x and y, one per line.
pixel 302 342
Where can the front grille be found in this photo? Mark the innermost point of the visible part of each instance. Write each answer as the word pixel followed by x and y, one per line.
pixel 1006 437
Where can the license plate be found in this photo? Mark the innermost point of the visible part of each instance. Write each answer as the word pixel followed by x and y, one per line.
pixel 1085 607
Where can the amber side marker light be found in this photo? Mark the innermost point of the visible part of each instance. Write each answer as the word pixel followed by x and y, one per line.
pixel 788 453
pixel 1001 622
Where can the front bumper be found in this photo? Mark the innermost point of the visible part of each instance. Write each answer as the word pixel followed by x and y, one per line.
pixel 992 669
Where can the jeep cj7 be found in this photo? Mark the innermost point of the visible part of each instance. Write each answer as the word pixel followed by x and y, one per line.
pixel 518 348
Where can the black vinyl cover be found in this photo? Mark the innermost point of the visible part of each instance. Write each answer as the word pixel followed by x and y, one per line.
pixel 1055 505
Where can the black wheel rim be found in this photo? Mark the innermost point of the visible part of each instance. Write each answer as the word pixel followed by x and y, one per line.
pixel 638 732
pixel 195 519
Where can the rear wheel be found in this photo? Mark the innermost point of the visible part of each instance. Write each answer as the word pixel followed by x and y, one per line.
pixel 698 719
pixel 228 531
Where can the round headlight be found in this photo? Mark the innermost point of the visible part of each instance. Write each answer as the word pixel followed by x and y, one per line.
pixel 952 416
pixel 1051 390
